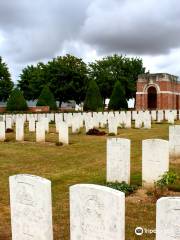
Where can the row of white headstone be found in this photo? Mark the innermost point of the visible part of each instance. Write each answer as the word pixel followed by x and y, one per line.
pixel 96 212
pixel 40 127
pixel 97 119
pixel 155 160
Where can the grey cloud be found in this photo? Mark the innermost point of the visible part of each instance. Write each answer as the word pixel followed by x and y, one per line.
pixel 134 27
pixel 38 30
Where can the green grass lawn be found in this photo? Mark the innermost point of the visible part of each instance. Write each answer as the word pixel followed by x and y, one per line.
pixel 83 161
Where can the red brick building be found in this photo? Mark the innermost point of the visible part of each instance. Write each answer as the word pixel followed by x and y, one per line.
pixel 157 91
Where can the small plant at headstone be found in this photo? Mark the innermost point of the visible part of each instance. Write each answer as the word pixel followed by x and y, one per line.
pixel 123 187
pixel 52 122
pixel 161 186
pixel 9 130
pixel 59 144
pixel 111 134
pixel 166 179
pixel 7 140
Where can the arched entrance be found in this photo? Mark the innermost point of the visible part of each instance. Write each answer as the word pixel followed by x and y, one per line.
pixel 152 98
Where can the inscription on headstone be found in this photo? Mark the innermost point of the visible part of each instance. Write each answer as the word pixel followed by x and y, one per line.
pixel 96 213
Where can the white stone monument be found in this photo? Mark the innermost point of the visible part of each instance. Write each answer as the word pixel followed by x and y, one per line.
pixel 2 131
pixel 153 115
pixel 160 116
pixel 171 118
pixel 40 132
pixel 32 124
pixel 155 160
pixel 96 212
pixel 118 160
pixel 63 133
pixel 31 208
pixel 174 141
pixel 8 123
pixel 168 218
pixel 128 119
pixel 19 129
pixel 138 121
pixel 112 125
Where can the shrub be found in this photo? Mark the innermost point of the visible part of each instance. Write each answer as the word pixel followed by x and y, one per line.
pixel 118 99
pixel 161 186
pixel 46 98
pixel 95 132
pixel 93 100
pixel 166 179
pixel 9 130
pixel 59 144
pixel 123 187
pixel 111 134
pixel 16 101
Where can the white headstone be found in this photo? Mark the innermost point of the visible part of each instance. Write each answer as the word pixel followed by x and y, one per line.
pixel 118 160
pixel 168 218
pixel 153 115
pixel 19 129
pixel 32 124
pixel 40 132
pixel 113 125
pixel 138 121
pixel 45 122
pixel 147 121
pixel 174 141
pixel 134 113
pixel 160 116
pixel 2 131
pixel 96 212
pixel 128 120
pixel 171 118
pixel 63 133
pixel 75 125
pixel 8 123
pixel 31 210
pixel 155 160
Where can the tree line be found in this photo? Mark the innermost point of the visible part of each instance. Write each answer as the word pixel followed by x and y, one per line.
pixel 70 78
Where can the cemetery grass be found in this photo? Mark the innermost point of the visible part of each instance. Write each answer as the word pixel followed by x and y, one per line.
pixel 83 161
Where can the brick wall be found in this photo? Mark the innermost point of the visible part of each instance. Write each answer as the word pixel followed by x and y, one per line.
pixel 167 88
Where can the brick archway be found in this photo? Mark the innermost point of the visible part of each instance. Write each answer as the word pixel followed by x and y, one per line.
pixel 152 97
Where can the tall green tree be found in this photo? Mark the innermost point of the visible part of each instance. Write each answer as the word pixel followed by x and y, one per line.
pixel 93 100
pixel 16 101
pixel 116 68
pixel 6 85
pixel 66 77
pixel 118 99
pixel 46 98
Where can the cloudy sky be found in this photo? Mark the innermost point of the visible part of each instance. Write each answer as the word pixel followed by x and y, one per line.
pixel 38 30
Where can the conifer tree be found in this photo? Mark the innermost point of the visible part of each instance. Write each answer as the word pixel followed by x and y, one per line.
pixel 93 100
pixel 46 98
pixel 16 101
pixel 118 100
